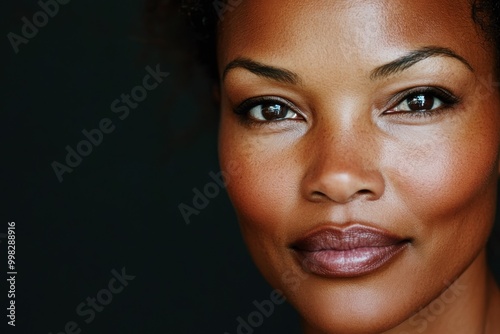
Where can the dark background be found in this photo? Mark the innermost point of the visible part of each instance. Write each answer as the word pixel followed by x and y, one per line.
pixel 119 207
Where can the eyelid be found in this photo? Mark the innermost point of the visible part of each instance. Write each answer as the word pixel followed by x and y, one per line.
pixel 443 94
pixel 244 107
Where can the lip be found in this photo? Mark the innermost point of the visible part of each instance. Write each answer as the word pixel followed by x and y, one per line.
pixel 345 253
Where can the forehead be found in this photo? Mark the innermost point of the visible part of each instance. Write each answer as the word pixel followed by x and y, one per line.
pixel 369 31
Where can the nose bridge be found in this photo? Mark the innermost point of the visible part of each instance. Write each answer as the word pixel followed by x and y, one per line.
pixel 343 159
pixel 348 139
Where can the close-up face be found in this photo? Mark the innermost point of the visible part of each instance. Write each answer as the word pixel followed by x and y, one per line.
pixel 367 136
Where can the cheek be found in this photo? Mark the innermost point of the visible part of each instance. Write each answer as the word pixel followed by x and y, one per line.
pixel 446 182
pixel 265 193
pixel 265 188
pixel 444 175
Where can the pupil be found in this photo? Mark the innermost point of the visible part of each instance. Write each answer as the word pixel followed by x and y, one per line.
pixel 421 102
pixel 271 112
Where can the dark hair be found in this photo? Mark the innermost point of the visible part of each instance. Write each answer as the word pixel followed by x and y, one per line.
pixel 486 14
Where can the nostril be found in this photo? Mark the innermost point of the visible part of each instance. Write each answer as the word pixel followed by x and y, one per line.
pixel 318 195
pixel 364 192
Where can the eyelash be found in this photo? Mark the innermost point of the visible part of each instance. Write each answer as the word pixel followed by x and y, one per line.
pixel 246 106
pixel 447 99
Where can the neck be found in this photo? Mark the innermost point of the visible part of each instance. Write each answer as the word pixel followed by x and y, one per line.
pixel 492 318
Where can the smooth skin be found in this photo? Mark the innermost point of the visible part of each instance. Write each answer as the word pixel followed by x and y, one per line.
pixel 345 139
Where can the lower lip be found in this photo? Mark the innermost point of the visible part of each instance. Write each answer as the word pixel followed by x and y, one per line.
pixel 348 263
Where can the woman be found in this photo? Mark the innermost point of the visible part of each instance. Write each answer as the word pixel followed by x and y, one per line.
pixel 367 138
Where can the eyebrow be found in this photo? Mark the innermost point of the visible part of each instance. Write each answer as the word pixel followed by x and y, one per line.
pixel 413 58
pixel 262 70
pixel 383 71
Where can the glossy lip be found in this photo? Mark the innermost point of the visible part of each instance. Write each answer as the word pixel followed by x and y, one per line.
pixel 349 252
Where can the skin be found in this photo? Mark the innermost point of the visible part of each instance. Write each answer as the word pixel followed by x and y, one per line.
pixel 350 154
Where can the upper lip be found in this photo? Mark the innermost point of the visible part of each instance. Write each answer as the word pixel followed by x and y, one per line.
pixel 342 239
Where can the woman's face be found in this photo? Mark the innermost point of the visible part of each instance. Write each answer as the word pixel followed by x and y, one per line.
pixel 367 139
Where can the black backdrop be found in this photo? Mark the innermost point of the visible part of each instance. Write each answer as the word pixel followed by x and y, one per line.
pixel 118 208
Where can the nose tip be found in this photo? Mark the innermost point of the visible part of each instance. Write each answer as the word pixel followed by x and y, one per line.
pixel 344 186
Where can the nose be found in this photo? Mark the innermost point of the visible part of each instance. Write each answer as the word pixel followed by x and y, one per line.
pixel 343 168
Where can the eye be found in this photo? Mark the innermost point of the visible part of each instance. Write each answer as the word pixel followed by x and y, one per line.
pixel 271 112
pixel 423 101
pixel 267 110
pixel 420 102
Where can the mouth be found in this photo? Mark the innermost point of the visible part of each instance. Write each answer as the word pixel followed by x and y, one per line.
pixel 346 253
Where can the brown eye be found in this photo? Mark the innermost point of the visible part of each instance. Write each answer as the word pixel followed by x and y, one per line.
pixel 274 111
pixel 420 102
pixel 271 112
